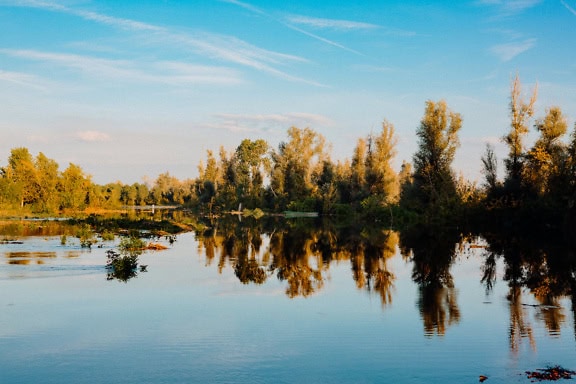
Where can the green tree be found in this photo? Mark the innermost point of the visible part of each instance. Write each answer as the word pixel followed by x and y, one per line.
pixel 250 161
pixel 47 178
pixel 22 176
pixel 293 165
pixel 490 169
pixel 73 187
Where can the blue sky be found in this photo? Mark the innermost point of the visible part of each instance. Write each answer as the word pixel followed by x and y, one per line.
pixel 132 89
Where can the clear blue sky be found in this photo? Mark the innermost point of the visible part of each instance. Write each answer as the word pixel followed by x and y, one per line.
pixel 127 89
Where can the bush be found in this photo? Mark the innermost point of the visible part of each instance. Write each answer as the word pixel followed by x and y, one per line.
pixel 121 267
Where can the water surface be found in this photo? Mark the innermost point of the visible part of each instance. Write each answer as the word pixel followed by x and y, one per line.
pixel 219 308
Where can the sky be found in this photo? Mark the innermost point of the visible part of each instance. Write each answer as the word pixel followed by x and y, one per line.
pixel 128 90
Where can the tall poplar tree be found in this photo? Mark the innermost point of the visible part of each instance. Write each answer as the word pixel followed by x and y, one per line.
pixel 520 113
pixel 434 184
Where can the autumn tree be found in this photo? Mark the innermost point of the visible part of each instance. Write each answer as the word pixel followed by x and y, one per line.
pixel 434 186
pixel 293 164
pixel 73 187
pixel 520 113
pixel 381 179
pixel 22 176
pixel 47 179
pixel 358 189
pixel 545 159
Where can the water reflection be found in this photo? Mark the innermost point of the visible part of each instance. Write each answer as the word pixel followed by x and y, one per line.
pixel 300 253
pixel 540 275
pixel 432 251
pixel 546 268
pixel 26 258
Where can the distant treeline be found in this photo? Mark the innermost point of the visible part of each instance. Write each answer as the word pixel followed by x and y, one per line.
pixel 299 175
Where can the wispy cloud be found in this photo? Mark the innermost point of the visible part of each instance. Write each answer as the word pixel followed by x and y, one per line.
pixel 269 122
pixel 510 7
pixel 93 16
pixel 23 79
pixel 291 25
pixel 220 47
pixel 572 10
pixel 330 23
pixel 509 51
pixel 173 73
pixel 92 136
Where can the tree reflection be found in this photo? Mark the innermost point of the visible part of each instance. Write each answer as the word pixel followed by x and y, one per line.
pixel 369 253
pixel 300 253
pixel 545 269
pixel 291 251
pixel 432 251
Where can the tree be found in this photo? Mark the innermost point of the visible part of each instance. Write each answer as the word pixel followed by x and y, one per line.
pixel 544 161
pixel 380 176
pixel 520 113
pixel 22 176
pixel 434 184
pixel 74 186
pixel 490 169
pixel 293 165
pixel 250 160
pixel 47 178
pixel 358 171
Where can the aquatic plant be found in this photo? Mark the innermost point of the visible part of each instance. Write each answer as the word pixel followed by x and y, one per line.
pixel 86 236
pixel 121 267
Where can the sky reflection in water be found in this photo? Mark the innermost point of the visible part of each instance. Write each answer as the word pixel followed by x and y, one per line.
pixel 250 308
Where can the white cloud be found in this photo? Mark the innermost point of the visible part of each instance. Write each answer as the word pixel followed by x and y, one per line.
pixel 92 136
pixel 22 79
pixel 267 122
pixel 226 48
pixel 330 23
pixel 289 24
pixel 511 6
pixel 173 73
pixel 508 51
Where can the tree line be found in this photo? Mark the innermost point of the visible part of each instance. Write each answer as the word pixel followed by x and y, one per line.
pixel 299 175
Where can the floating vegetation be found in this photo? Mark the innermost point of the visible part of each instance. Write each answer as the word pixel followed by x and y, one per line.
pixel 550 374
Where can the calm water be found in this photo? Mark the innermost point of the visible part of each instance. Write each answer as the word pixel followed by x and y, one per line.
pixel 259 309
